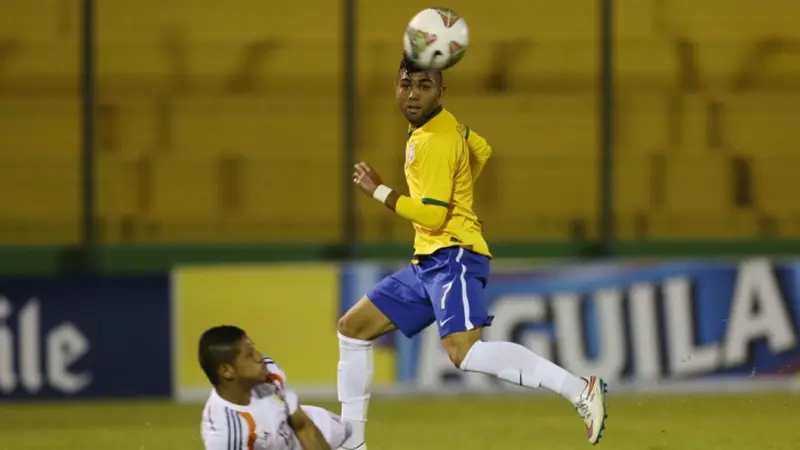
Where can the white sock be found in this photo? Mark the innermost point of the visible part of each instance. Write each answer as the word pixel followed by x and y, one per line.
pixel 518 365
pixel 354 380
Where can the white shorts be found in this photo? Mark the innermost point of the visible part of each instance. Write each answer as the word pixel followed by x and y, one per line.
pixel 335 430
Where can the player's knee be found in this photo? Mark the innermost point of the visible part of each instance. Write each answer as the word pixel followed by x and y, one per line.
pixel 364 321
pixel 457 345
pixel 349 326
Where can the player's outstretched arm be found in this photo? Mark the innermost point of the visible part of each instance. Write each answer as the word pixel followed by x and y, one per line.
pixel 479 150
pixel 307 432
pixel 435 170
pixel 428 212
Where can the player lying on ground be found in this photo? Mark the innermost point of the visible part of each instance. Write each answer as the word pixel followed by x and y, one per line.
pixel 250 407
pixel 445 282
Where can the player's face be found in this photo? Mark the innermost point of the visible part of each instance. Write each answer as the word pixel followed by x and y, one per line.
pixel 418 95
pixel 248 365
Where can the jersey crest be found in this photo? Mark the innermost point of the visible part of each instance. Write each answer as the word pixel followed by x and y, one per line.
pixel 410 156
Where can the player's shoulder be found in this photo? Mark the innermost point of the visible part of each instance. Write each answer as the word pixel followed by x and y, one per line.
pixel 215 412
pixel 445 136
pixel 448 127
pixel 218 424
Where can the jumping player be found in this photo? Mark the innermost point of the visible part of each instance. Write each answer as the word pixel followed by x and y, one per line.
pixel 250 407
pixel 446 279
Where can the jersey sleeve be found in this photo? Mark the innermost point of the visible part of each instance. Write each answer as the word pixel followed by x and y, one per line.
pixel 277 377
pixel 437 170
pixel 292 401
pixel 479 150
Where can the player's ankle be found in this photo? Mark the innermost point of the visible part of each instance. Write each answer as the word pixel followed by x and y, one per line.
pixel 573 388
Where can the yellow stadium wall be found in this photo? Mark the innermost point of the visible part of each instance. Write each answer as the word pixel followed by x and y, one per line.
pixel 210 112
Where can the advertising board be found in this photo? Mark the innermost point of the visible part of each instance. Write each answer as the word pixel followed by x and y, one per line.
pixel 84 337
pixel 632 322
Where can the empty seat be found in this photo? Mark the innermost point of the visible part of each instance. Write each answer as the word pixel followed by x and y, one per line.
pixel 239 20
pixel 273 66
pixel 185 186
pixel 270 188
pixel 181 46
pixel 42 21
pixel 131 127
pixel 136 68
pixel 644 64
pixel 632 180
pixel 556 66
pixel 122 186
pixel 298 66
pixel 559 65
pixel 720 20
pixel 636 20
pixel 272 143
pixel 719 63
pixel 40 70
pixel 40 199
pixel 727 39
pixel 40 187
pixel 693 114
pixel 35 231
pixel 643 123
pixel 46 128
pixel 762 124
pixel 698 225
pixel 39 171
pixel 39 48
pixel 697 184
pixel 292 129
pixel 775 182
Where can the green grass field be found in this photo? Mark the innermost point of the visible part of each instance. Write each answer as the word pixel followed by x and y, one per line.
pixel 756 422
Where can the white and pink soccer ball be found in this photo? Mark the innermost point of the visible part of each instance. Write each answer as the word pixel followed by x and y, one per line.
pixel 436 39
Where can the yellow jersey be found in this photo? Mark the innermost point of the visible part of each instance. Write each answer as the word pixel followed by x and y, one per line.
pixel 438 172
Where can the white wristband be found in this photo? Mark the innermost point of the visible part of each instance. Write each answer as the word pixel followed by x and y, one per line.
pixel 382 193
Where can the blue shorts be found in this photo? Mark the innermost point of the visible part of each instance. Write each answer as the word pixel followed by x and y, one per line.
pixel 446 287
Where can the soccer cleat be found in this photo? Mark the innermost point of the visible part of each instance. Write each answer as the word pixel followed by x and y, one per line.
pixel 591 405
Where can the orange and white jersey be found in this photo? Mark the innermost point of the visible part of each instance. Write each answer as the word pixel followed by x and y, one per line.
pixel 264 423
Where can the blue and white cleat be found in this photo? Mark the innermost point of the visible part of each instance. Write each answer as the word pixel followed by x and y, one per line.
pixel 591 406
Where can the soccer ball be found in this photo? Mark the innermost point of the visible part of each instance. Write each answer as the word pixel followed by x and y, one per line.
pixel 436 39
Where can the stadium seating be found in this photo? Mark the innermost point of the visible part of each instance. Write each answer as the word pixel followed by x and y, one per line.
pixel 39 162
pixel 209 114
pixel 763 125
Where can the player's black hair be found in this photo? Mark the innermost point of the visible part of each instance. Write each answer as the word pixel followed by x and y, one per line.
pixel 408 65
pixel 218 347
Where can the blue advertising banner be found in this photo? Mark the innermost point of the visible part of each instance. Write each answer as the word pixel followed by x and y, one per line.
pixel 85 337
pixel 629 321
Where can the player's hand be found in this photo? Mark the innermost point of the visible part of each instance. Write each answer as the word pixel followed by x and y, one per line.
pixel 366 178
